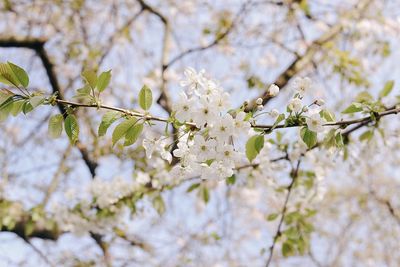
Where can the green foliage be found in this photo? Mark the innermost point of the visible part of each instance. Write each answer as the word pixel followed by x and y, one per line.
pixel 272 216
pixel 55 126
pixel 353 108
pixel 205 193
pixel 327 115
pixel 192 187
pixel 309 137
pixel 386 89
pixel 231 180
pixel 72 128
pixel 123 129
pixel 254 146
pixel 36 100
pixel 11 74
pixel 145 97
pixel 90 77
pixel 158 204
pixel 20 74
pixel 84 94
pixel 133 134
pixel 103 80
pixel 108 119
pixel 367 135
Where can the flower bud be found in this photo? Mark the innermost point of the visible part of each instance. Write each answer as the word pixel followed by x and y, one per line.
pixel 260 107
pixel 259 101
pixel 273 90
pixel 320 102
pixel 274 113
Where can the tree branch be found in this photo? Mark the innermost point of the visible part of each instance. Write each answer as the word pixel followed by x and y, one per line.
pixel 38 46
pixel 294 174
pixel 307 58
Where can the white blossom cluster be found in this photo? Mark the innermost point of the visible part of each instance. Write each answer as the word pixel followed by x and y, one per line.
pixel 206 140
pixel 208 151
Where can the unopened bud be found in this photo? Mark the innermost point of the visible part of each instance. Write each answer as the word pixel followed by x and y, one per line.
pixel 273 90
pixel 274 113
pixel 320 102
pixel 260 107
pixel 259 101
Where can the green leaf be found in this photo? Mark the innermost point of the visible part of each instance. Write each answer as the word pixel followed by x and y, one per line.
pixel 231 180
pixel 36 100
pixel 339 140
pixel 27 107
pixel 327 115
pixel 6 107
pixel 17 107
pixel 272 216
pixel 192 187
pixel 20 74
pixel 364 97
pixel 7 76
pixel 132 134
pixel 108 119
pixel 103 80
pixel 287 249
pixel 280 118
pixel 386 89
pixel 254 146
pixel 367 135
pixel 55 126
pixel 145 97
pixel 353 108
pixel 159 205
pixel 205 194
pixel 122 129
pixel 309 137
pixel 71 128
pixel 90 77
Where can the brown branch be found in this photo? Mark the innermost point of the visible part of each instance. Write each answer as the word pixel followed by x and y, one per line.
pixel 37 45
pixel 216 41
pixel 295 174
pixel 343 123
pixel 307 58
pixel 298 64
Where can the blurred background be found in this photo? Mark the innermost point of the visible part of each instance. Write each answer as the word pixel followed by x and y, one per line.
pixel 346 47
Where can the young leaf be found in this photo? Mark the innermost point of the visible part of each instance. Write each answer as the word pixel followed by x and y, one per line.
pixel 367 135
pixel 145 97
pixel 254 146
pixel 205 194
pixel 327 115
pixel 339 140
pixel 19 74
pixel 17 107
pixel 7 76
pixel 36 100
pixel 103 80
pixel 132 134
pixel 122 129
pixel 353 108
pixel 287 249
pixel 272 216
pixel 159 205
pixel 90 77
pixel 27 107
pixel 71 128
pixel 5 108
pixel 108 119
pixel 55 126
pixel 192 187
pixel 309 137
pixel 386 89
